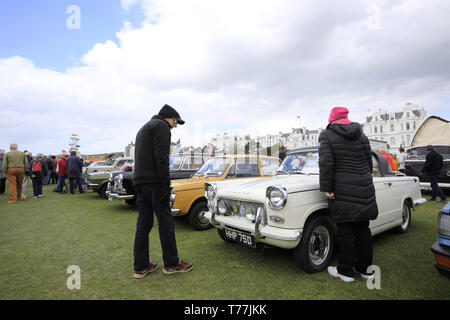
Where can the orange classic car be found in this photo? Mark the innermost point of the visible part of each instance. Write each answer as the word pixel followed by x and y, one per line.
pixel 188 195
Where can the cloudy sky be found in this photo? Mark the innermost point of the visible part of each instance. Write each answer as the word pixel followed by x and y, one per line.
pixel 103 68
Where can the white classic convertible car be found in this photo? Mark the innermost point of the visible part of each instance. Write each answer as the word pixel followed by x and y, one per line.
pixel 289 211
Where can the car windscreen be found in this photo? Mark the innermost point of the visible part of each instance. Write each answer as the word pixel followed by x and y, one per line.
pixel 213 167
pixel 175 162
pixel 420 153
pixel 301 162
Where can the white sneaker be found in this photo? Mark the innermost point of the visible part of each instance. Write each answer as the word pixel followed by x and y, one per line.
pixel 40 196
pixel 365 275
pixel 335 273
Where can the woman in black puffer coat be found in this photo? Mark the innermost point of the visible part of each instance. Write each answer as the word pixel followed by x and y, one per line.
pixel 345 162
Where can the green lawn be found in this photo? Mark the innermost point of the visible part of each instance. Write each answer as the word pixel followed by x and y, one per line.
pixel 40 238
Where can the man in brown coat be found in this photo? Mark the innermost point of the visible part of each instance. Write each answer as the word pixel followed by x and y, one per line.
pixel 14 165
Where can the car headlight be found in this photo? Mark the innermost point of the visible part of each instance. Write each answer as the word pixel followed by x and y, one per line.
pixel 276 197
pixel 172 197
pixel 250 213
pixel 221 207
pixel 210 191
pixel 118 181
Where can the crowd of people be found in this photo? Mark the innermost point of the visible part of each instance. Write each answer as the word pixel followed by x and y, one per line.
pixel 19 167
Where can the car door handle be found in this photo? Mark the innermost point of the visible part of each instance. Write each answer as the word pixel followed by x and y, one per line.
pixel 388 184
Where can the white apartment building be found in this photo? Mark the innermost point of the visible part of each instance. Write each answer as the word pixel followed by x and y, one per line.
pixel 396 128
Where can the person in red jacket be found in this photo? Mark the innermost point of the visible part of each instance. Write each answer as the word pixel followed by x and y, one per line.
pixel 388 157
pixel 62 173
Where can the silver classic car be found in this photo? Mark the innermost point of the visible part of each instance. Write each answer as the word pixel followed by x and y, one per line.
pixel 289 211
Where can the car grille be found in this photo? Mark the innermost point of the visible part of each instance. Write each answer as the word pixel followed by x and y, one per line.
pixel 239 208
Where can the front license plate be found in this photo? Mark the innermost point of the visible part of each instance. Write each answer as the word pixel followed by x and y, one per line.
pixel 240 237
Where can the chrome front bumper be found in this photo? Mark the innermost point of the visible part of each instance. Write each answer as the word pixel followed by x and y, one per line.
pixel 117 196
pixel 258 229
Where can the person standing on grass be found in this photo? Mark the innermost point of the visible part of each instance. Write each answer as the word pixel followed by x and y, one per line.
pixel 401 159
pixel 14 164
pixel 74 167
pixel 2 175
pixel 152 184
pixel 38 170
pixel 434 162
pixel 26 177
pixel 62 173
pixel 345 175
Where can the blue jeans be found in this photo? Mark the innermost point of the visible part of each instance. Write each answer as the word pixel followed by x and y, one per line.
pixel 46 179
pixel 435 189
pixel 149 199
pixel 61 182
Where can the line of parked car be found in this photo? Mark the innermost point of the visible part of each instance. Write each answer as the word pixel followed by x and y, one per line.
pixel 256 201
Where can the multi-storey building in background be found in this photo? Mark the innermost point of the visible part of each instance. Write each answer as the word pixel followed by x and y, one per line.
pixel 396 128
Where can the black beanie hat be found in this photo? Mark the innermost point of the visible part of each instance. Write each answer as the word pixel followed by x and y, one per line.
pixel 169 112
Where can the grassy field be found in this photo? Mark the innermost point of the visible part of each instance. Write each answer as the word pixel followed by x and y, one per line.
pixel 41 238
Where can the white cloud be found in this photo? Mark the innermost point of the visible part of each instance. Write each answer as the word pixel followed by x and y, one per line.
pixel 250 66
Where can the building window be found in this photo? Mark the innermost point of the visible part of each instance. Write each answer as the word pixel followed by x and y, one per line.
pixel 381 129
pixel 407 126
pixel 392 127
pixel 392 141
pixel 414 125
pixel 375 129
pixel 401 126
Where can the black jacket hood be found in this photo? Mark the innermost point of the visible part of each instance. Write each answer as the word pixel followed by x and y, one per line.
pixel 351 131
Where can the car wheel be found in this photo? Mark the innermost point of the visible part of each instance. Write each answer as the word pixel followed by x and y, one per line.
pixel 197 217
pixel 316 247
pixel 102 191
pixel 406 219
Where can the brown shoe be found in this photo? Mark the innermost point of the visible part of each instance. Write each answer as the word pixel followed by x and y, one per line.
pixel 10 202
pixel 182 267
pixel 23 197
pixel 152 266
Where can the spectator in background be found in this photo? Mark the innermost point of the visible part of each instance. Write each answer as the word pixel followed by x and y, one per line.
pixel 2 175
pixel 29 156
pixel 401 159
pixel 62 173
pixel 388 157
pixel 395 162
pixel 434 162
pixel 38 170
pixel 54 175
pixel 14 164
pixel 409 171
pixel 74 167
pixel 49 163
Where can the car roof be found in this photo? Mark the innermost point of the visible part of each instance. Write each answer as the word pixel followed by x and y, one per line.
pixel 304 149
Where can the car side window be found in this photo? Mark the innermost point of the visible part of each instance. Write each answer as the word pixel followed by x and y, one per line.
pixel 268 166
pixel 376 167
pixel 246 168
pixel 232 171
pixel 120 163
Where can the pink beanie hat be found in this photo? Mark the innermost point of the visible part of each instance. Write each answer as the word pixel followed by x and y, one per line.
pixel 340 113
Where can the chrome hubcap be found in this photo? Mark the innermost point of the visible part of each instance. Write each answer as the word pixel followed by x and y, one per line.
pixel 405 217
pixel 201 217
pixel 319 245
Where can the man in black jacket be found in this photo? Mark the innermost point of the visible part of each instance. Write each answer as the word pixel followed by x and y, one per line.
pixel 345 163
pixel 152 184
pixel 433 166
